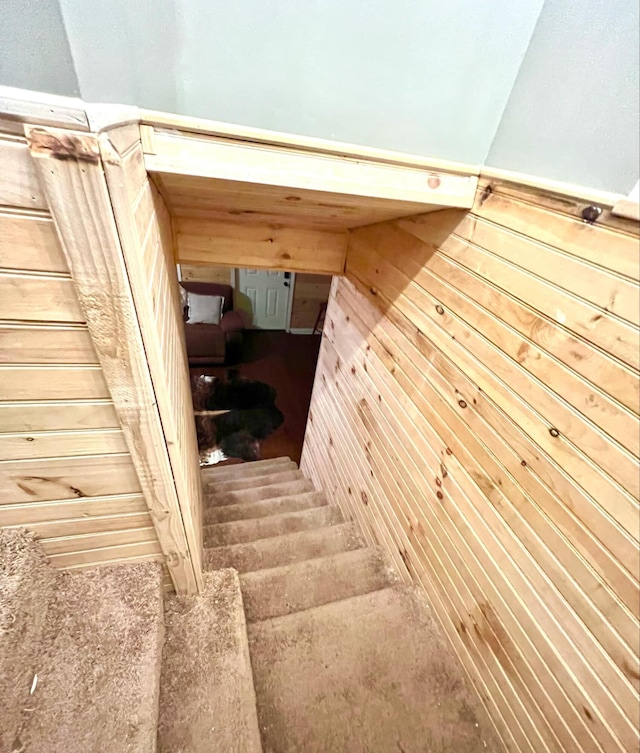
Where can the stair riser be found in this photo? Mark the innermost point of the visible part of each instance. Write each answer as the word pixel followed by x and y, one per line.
pixel 262 492
pixel 305 585
pixel 244 470
pixel 283 550
pixel 275 506
pixel 253 481
pixel 243 531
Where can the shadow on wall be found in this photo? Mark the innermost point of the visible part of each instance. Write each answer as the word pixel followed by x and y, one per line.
pixel 383 260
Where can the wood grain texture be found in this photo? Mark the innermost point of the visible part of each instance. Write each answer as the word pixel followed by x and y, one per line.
pixel 19 184
pixel 29 242
pixel 264 170
pixel 38 298
pixel 491 446
pixel 57 415
pixel 65 468
pixel 52 383
pixel 260 247
pixel 46 479
pixel 33 444
pixel 144 229
pixel 46 344
pixel 70 169
pixel 244 203
pixel 310 291
pixel 195 273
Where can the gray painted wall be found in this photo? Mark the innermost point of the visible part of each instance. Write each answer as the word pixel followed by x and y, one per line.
pixel 444 78
pixel 125 51
pixel 573 114
pixel 425 77
pixel 34 50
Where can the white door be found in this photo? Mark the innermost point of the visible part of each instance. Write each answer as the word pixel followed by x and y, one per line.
pixel 267 294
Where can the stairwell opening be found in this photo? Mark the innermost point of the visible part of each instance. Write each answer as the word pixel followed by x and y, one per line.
pixel 252 339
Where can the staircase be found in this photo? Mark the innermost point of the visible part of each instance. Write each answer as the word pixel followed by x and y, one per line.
pixel 304 641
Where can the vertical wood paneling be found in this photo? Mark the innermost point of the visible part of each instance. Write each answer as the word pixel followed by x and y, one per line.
pixel 476 410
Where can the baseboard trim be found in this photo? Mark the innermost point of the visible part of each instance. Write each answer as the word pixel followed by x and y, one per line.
pixel 301 330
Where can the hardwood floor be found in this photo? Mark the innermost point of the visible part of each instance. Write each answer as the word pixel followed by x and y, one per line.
pixel 287 363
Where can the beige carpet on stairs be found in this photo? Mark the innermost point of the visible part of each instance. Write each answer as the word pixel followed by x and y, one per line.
pixel 369 674
pixel 345 659
pixel 207 700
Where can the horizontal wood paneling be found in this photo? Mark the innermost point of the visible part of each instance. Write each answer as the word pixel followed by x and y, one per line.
pixel 45 479
pixel 60 415
pixel 65 470
pixel 202 273
pixel 29 242
pixel 260 246
pixel 113 554
pixel 33 344
pixel 48 382
pixel 78 508
pixel 476 410
pixel 42 444
pixel 19 184
pixel 38 298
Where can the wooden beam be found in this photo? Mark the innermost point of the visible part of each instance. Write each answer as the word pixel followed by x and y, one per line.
pixel 71 172
pixel 157 121
pixel 260 247
pixel 144 228
pixel 210 157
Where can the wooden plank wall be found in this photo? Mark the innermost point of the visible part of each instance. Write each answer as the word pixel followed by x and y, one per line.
pixel 476 411
pixel 196 273
pixel 309 293
pixel 65 470
pixel 145 231
pixel 249 246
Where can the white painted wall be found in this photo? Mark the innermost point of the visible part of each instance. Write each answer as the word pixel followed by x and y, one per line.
pixel 574 111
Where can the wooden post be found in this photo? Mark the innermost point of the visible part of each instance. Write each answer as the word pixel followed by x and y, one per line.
pixel 71 172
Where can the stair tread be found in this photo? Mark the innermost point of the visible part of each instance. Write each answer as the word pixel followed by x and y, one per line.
pixel 97 689
pixel 268 491
pixel 242 531
pixel 207 699
pixel 242 470
pixel 263 507
pixel 277 477
pixel 282 550
pixel 304 585
pixel 370 673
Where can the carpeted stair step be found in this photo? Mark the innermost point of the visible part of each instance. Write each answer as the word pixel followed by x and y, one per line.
pixel 98 681
pixel 372 674
pixel 304 585
pixel 207 699
pixel 259 492
pixel 252 481
pixel 27 585
pixel 241 531
pixel 283 550
pixel 216 474
pixel 262 508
